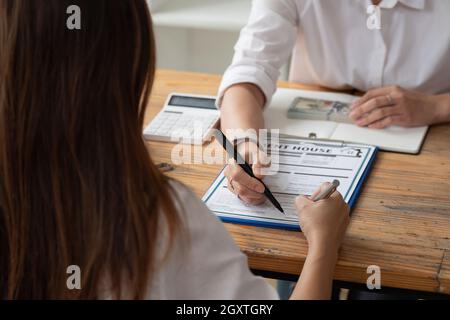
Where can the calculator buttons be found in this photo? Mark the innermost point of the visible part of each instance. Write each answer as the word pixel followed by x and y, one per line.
pixel 187 124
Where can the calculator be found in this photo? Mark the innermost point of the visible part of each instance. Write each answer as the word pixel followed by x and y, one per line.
pixel 184 118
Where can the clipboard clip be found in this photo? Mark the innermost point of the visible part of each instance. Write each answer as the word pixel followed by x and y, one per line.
pixel 313 136
pixel 315 139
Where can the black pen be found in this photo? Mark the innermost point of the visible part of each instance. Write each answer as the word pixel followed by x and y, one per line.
pixel 232 152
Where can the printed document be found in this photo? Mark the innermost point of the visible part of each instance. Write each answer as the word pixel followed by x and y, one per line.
pixel 302 166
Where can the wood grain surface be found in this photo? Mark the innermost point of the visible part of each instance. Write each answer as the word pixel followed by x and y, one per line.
pixel 401 222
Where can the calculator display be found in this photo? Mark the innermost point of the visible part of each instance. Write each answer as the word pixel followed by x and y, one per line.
pixel 193 102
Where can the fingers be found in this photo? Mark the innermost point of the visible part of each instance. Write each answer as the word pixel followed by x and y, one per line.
pixel 337 198
pixel 248 195
pixel 260 162
pixel 386 122
pixel 393 92
pixel 371 106
pixel 378 115
pixel 301 202
pixel 247 188
pixel 378 108
pixel 258 171
pixel 322 187
pixel 239 176
pixel 259 157
pixel 255 156
pixel 245 194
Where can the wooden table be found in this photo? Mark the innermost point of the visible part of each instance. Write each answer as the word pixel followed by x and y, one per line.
pixel 401 222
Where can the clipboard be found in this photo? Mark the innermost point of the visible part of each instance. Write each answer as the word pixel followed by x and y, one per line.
pixel 216 195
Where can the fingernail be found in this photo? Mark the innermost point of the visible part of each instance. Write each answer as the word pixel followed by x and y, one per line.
pixel 354 104
pixel 352 114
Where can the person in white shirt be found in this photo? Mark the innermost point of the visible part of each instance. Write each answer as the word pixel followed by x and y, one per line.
pixel 84 212
pixel 404 66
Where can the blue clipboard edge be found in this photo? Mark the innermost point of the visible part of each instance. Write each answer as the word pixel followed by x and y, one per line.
pixel 363 179
pixel 351 202
pixel 259 223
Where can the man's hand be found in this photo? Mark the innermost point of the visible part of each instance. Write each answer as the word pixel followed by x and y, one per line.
pixel 248 189
pixel 384 107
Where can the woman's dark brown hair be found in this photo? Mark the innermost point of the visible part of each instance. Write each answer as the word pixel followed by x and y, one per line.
pixel 77 186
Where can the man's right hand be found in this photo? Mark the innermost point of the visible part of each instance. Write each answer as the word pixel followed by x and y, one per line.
pixel 248 189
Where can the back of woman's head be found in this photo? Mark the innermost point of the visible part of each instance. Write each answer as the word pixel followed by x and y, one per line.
pixel 77 184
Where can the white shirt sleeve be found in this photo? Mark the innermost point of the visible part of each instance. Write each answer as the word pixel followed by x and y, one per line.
pixel 204 263
pixel 264 45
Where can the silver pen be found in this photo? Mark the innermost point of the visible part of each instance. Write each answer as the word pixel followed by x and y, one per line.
pixel 328 191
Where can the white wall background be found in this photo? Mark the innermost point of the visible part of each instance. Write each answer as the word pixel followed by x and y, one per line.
pixel 198 35
pixel 208 51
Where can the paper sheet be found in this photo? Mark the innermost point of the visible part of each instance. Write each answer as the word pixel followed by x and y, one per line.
pixel 303 166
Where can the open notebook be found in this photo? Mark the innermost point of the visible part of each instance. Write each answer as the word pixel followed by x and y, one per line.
pixel 407 140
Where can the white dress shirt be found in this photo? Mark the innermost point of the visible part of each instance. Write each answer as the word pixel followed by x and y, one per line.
pixel 332 46
pixel 204 262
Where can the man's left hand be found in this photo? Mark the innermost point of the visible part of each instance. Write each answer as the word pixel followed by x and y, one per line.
pixel 384 107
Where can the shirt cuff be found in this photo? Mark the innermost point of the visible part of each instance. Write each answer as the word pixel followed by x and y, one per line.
pixel 247 74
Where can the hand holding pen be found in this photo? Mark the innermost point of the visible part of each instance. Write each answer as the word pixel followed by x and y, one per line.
pixel 323 218
pixel 325 191
pixel 242 180
pixel 249 190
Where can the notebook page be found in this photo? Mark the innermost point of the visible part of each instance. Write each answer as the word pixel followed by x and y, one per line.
pixel 275 115
pixel 408 140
